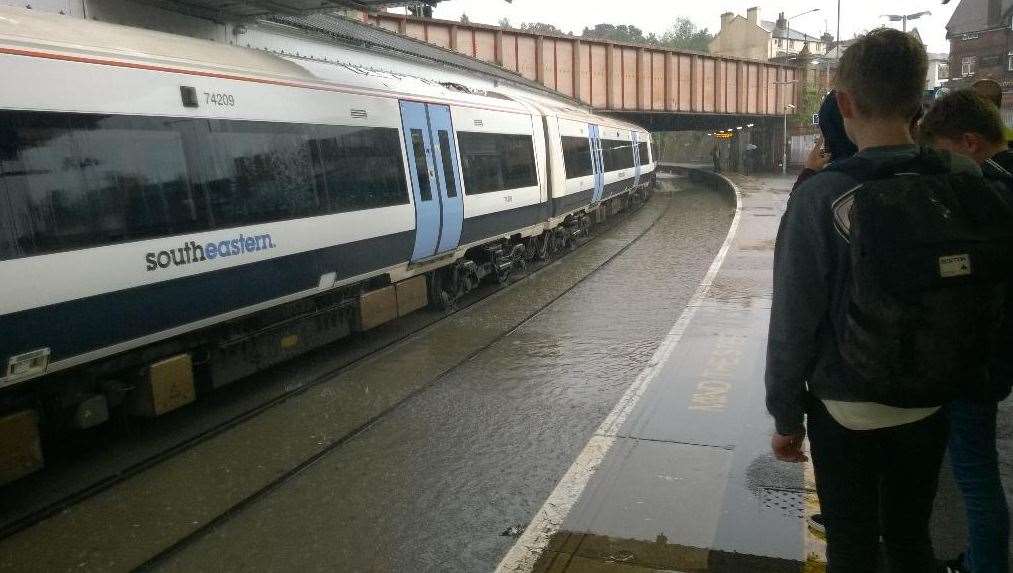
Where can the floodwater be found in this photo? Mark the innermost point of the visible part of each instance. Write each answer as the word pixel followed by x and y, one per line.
pixel 434 485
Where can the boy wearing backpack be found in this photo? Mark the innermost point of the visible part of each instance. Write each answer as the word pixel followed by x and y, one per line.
pixel 965 123
pixel 888 294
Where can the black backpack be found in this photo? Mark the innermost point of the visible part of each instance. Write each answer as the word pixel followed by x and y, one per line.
pixel 931 256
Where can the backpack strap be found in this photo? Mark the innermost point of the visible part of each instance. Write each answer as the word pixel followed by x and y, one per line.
pixel 928 161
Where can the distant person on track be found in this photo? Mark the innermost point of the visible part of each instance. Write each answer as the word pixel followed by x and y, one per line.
pixel 843 362
pixel 716 158
pixel 965 123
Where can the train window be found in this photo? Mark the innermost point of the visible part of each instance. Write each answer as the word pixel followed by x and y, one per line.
pixel 577 157
pixel 361 167
pixel 70 181
pixel 645 158
pixel 257 172
pixel 421 166
pixel 496 161
pixel 617 154
pixel 448 163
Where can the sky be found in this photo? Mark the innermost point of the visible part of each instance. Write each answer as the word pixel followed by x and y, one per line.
pixel 658 15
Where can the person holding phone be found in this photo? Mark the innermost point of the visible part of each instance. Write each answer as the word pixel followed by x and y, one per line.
pixel 833 143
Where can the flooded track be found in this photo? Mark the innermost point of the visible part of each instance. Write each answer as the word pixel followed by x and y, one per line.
pixel 484 411
pixel 434 485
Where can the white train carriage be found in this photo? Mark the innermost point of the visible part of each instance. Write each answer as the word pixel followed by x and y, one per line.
pixel 166 201
pixel 591 158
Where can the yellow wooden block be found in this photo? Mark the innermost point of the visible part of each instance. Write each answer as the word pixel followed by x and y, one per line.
pixel 412 294
pixel 169 385
pixel 377 307
pixel 290 341
pixel 20 447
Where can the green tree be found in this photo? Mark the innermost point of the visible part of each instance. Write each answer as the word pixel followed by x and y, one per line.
pixel 811 96
pixel 542 28
pixel 505 23
pixel 464 19
pixel 684 35
pixel 620 33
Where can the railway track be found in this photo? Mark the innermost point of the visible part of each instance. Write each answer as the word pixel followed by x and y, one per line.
pixel 97 486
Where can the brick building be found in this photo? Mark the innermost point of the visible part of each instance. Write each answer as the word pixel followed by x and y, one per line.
pixel 981 47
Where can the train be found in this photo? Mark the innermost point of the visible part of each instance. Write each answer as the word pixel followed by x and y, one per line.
pixel 176 213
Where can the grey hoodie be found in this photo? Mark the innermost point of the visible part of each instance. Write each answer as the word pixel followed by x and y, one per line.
pixel 811 274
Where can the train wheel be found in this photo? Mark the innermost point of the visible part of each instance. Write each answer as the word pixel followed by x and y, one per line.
pixel 442 294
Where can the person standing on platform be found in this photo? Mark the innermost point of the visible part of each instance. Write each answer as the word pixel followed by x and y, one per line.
pixel 833 143
pixel 844 362
pixel 716 158
pixel 965 123
pixel 991 90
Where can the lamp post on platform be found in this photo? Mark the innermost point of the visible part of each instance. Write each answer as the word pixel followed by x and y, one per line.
pixel 784 146
pixel 784 143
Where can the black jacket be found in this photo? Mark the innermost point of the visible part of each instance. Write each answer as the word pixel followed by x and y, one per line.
pixel 999 169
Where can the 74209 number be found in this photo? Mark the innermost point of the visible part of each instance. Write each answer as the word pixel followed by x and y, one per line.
pixel 219 99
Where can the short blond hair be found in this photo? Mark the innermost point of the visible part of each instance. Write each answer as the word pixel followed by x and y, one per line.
pixel 884 73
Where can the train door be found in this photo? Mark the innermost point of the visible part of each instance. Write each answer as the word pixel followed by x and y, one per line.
pixel 448 169
pixel 594 137
pixel 432 152
pixel 636 158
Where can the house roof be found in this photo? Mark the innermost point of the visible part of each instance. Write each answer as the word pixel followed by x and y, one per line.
pixel 793 33
pixel 838 50
pixel 972 16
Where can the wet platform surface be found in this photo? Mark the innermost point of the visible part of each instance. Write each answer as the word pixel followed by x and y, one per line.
pixel 688 482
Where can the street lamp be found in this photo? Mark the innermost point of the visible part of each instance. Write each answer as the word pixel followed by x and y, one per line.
pixel 905 17
pixel 784 146
pixel 787 31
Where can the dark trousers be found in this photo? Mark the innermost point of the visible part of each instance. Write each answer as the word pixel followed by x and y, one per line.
pixel 976 471
pixel 876 482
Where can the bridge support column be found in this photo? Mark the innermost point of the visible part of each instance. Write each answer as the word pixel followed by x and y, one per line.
pixel 670 85
pixel 610 76
pixel 641 80
pixel 498 47
pixel 540 59
pixel 578 81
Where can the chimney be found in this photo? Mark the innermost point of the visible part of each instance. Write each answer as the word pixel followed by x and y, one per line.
pixel 726 19
pixel 753 15
pixel 781 25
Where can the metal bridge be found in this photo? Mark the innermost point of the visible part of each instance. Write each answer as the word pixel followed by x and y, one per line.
pixel 656 87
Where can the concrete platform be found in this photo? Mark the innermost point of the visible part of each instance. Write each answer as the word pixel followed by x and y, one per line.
pixel 681 477
pixel 688 482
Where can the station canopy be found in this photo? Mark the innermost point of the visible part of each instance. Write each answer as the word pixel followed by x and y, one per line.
pixel 232 10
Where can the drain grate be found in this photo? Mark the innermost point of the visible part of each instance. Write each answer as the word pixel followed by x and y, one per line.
pixel 791 503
